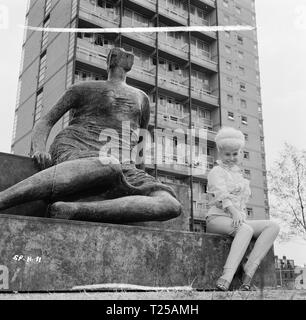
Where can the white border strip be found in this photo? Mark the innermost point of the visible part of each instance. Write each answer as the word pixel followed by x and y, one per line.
pixel 119 286
pixel 143 30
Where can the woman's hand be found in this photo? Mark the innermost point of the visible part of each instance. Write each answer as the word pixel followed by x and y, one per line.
pixel 237 220
pixel 237 216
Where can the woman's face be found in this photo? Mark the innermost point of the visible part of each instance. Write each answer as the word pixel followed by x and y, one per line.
pixel 230 156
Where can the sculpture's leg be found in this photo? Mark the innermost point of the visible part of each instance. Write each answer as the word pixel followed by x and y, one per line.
pixel 63 179
pixel 159 206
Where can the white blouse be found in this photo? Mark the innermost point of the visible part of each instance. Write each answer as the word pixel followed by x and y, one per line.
pixel 227 187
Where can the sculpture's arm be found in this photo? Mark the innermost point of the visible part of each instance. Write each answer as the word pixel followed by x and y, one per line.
pixel 43 127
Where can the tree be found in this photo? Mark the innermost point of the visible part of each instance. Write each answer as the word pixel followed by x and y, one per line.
pixel 287 191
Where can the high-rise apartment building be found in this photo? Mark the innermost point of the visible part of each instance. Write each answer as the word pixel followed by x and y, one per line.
pixel 194 80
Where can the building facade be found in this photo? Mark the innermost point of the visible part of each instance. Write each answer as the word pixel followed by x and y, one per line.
pixel 196 80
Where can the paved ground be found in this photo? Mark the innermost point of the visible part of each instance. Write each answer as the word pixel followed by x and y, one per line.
pixel 180 295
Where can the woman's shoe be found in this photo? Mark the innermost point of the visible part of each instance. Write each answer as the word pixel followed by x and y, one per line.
pixel 222 284
pixel 246 283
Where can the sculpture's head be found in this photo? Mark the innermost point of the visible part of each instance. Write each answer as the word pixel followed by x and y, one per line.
pixel 118 57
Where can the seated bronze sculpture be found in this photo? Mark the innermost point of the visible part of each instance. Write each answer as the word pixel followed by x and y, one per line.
pixel 79 183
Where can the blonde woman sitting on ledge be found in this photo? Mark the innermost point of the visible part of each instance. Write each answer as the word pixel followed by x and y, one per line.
pixel 227 214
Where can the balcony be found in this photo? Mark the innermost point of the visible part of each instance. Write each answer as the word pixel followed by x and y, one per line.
pixel 172 84
pixel 173 13
pixel 204 96
pixel 107 18
pixel 176 48
pixel 91 56
pixel 202 58
pixel 148 4
pixel 142 75
pixel 145 38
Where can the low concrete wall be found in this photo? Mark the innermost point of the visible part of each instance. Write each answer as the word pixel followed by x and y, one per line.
pixel 46 254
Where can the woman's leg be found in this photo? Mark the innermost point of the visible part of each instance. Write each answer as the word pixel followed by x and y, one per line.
pixel 265 231
pixel 242 237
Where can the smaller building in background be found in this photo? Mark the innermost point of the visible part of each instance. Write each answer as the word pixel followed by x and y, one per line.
pixel 285 272
pixel 300 277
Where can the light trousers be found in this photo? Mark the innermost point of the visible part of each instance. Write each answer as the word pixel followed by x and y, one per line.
pixel 264 231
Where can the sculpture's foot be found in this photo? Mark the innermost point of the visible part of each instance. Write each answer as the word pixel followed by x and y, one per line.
pixel 61 210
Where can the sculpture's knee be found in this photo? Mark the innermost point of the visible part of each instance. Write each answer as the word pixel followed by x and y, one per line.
pixel 168 205
pixel 175 208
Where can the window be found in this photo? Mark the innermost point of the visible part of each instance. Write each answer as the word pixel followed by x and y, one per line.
pixel 42 68
pixel 240 40
pixel 45 33
pixel 262 141
pixel 247 173
pixel 229 81
pixel 48 6
pixel 244 120
pixel 241 71
pixel 230 99
pixel 257 76
pixel 230 115
pixel 255 46
pixel 258 91
pixel 250 212
pixel 242 86
pixel 228 65
pixel 238 10
pixel 240 54
pixel 243 103
pixel 228 49
pixel 246 155
pixel 15 127
pixel 246 137
pixel 199 226
pixel 39 105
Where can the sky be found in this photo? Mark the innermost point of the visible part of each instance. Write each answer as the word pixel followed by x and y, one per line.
pixel 281 31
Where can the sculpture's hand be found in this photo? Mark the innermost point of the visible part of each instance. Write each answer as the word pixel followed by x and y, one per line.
pixel 43 159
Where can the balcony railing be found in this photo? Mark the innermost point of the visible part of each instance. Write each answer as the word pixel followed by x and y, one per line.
pixel 149 4
pixel 173 13
pixel 105 17
pixel 96 58
pixel 143 37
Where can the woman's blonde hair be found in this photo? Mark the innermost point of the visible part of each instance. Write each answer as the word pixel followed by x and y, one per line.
pixel 230 137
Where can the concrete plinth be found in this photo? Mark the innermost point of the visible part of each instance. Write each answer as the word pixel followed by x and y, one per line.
pixel 44 254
